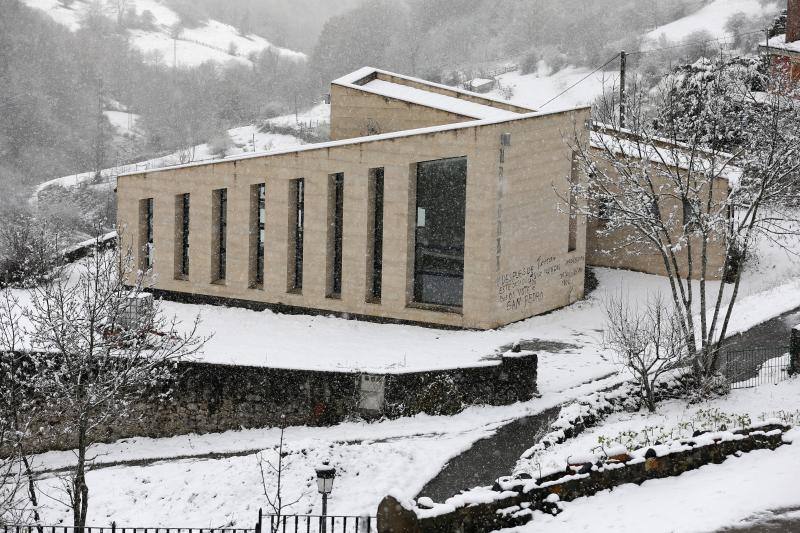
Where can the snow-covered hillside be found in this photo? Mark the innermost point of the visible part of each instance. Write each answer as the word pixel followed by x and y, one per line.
pixel 212 41
pixel 582 86
pixel 712 18
pixel 245 139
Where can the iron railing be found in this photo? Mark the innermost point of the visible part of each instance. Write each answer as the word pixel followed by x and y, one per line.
pixel 757 366
pixel 268 524
pixel 316 524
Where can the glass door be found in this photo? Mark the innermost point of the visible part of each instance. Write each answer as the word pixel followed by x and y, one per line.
pixel 439 243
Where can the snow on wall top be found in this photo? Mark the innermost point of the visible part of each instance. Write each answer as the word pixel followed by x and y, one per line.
pixel 779 42
pixel 719 163
pixel 366 139
pixel 435 100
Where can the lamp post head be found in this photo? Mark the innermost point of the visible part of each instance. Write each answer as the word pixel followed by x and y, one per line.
pixel 325 475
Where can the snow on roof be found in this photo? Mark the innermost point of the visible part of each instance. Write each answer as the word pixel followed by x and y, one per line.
pixel 779 43
pixel 352 80
pixel 360 140
pixel 672 155
pixel 435 100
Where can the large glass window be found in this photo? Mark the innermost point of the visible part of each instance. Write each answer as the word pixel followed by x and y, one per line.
pixel 335 233
pixel 439 237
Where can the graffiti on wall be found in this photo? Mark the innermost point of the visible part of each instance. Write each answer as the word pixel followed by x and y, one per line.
pixel 526 287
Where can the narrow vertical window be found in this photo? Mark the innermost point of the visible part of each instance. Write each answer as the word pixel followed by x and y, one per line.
pixel 258 218
pixel 335 233
pixel 572 243
pixel 182 226
pixel 221 208
pixel 296 216
pixel 375 235
pixel 146 237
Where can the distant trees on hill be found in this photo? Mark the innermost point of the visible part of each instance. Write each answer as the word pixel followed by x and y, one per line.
pixel 425 36
pixel 50 94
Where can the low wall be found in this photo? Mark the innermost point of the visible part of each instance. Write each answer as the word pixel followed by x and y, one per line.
pixel 511 502
pixel 213 398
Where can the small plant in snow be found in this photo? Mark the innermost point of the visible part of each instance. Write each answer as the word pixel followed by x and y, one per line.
pixel 648 342
pixel 789 418
pixel 702 421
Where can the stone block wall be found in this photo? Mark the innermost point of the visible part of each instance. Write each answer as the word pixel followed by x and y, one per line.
pixel 209 398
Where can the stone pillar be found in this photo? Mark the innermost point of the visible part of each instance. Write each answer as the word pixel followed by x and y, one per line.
pixel 393 517
pixel 792 21
pixel 794 351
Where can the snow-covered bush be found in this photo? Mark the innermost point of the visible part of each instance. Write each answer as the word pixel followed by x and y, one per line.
pixel 28 248
pixel 219 144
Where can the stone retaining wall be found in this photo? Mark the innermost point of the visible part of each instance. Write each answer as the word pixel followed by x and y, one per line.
pixel 512 503
pixel 213 398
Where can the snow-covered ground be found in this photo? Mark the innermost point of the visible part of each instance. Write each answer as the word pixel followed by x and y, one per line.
pixel 242 138
pixel 123 122
pixel 214 480
pixel 769 288
pixel 739 491
pixel 537 88
pixel 211 41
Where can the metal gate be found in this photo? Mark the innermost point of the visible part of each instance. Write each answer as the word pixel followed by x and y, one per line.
pixel 754 367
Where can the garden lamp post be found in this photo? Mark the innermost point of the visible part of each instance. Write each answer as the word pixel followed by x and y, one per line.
pixel 325 475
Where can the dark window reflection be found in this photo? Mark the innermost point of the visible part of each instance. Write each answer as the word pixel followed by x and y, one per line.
pixel 439 244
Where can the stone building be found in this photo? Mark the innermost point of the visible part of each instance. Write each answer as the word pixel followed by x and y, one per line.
pixel 784 49
pixel 615 248
pixel 429 205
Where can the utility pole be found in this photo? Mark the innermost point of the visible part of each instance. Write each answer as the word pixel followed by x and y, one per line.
pixel 622 65
pixel 98 153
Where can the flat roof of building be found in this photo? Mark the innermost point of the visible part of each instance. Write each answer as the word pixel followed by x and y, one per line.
pixel 778 43
pixel 435 100
pixel 363 79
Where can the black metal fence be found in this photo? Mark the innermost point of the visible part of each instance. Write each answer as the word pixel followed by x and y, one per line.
pixel 269 524
pixel 316 524
pixel 754 367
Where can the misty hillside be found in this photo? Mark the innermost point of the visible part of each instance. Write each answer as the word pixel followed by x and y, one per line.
pixel 104 85
pixel 164 35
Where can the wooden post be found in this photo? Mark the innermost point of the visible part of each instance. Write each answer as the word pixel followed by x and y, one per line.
pixel 622 68
pixel 794 351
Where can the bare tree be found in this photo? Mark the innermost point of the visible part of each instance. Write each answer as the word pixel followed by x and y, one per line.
pixel 13 427
pixel 275 497
pixel 706 162
pixel 647 341
pixel 101 360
